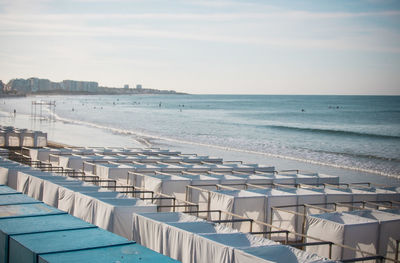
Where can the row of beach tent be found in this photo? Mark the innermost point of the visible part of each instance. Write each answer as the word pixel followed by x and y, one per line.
pixel 250 190
pixel 119 214
pixel 14 137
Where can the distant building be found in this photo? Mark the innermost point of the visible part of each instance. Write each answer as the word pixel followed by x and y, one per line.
pixel 36 84
pixel 2 87
pixel 73 85
pixel 126 86
pixel 19 85
pixel 138 86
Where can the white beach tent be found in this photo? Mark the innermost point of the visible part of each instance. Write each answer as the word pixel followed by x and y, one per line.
pixel 2 138
pixel 66 195
pixel 9 172
pixel 178 237
pixel 239 202
pixel 304 196
pixel 166 184
pixel 42 154
pixel 148 228
pixel 85 203
pixel 346 229
pixel 357 197
pixel 334 195
pixel 114 214
pixel 114 171
pixel 51 188
pixel 275 253
pixel 13 138
pixel 275 197
pixel 31 182
pixel 389 229
pixel 205 182
pixel 220 247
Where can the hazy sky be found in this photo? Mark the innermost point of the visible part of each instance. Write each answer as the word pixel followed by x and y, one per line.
pixel 227 46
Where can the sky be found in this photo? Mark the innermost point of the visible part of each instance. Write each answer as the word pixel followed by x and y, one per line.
pixel 207 47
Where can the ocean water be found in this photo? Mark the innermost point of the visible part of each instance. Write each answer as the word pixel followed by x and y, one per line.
pixel 354 132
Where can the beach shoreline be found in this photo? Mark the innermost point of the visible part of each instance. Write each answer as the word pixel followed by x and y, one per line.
pixel 64 132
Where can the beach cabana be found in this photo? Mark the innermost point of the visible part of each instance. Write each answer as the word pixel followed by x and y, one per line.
pixel 389 230
pixel 202 181
pixel 275 197
pixel 148 228
pixel 42 154
pixel 275 253
pixel 66 195
pixel 9 173
pixel 346 229
pixel 220 247
pixel 112 214
pixel 166 184
pixel 239 202
pixel 304 196
pixel 178 237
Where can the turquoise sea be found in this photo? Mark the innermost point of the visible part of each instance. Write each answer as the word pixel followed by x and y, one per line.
pixel 354 132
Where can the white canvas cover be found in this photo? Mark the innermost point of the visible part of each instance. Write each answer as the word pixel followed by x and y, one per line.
pixel 275 253
pixel 112 214
pixel 85 203
pixel 28 139
pixel 9 173
pixel 2 139
pixel 178 237
pixel 13 139
pixel 389 229
pixel 51 189
pixel 148 227
pixel 71 161
pixel 166 184
pixel 333 195
pixel 240 202
pixel 304 196
pixel 113 171
pixel 275 217
pixel 220 247
pixel 197 196
pixel 42 154
pixel 351 230
pixel 66 195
